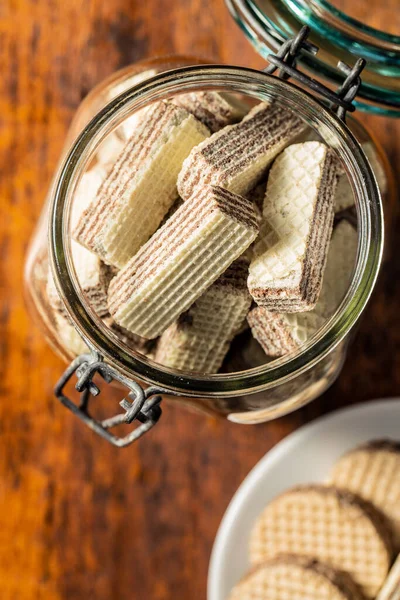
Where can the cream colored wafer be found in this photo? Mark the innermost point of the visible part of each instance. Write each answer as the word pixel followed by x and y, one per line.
pixel 291 577
pixel 141 187
pixel 199 340
pixel 109 150
pixel 330 525
pixel 281 333
pixel 183 258
pixel 344 197
pixel 214 109
pixel 69 337
pixel 391 587
pixel 94 277
pixel 133 341
pixel 290 254
pixel 373 472
pixel 237 157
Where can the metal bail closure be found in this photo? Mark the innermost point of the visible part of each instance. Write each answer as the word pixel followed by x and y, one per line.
pixel 285 62
pixel 141 405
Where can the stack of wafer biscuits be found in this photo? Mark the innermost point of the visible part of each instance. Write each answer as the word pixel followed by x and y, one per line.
pixel 333 540
pixel 212 213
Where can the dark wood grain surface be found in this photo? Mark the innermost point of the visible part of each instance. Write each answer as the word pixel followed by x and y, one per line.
pixel 79 519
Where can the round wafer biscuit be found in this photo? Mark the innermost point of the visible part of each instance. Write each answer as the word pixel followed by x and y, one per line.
pixel 372 471
pixel 291 577
pixel 330 525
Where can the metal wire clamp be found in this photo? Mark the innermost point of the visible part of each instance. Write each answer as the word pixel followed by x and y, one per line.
pixel 140 405
pixel 284 61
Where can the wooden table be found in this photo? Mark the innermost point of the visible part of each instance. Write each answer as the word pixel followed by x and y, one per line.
pixel 79 519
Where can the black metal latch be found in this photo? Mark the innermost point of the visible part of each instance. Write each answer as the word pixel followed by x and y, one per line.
pixel 285 62
pixel 140 405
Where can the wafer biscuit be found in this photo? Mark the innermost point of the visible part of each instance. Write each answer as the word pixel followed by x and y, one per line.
pixel 281 333
pixel 183 258
pixel 237 157
pixel 391 587
pixel 199 340
pixel 290 253
pixel 344 197
pixel 330 525
pixel 94 277
pixel 69 337
pixel 109 150
pixel 141 187
pixel 373 472
pixel 291 577
pixel 133 341
pixel 214 109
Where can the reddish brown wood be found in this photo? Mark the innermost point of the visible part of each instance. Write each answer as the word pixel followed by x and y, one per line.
pixel 79 519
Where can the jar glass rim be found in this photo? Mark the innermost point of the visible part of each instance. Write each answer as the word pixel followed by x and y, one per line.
pixel 264 87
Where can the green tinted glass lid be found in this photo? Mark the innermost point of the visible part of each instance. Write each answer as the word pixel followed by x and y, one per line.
pixel 340 36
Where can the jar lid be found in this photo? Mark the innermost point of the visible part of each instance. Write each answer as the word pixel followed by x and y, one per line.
pixel 268 23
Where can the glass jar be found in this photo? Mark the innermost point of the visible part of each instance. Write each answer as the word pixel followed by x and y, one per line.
pixel 254 392
pixel 339 36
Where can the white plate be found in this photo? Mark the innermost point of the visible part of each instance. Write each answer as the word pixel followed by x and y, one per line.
pixel 304 456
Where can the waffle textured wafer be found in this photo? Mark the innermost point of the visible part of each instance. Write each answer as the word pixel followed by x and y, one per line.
pixel 199 340
pixel 183 258
pixel 214 109
pixel 133 341
pixel 141 187
pixel 330 525
pixel 69 337
pixel 391 587
pixel 290 253
pixel 94 277
pixel 237 157
pixel 344 197
pixel 281 333
pixel 373 472
pixel 291 577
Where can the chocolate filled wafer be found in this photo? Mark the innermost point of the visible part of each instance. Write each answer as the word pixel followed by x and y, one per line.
pixel 199 340
pixel 182 259
pixel 373 472
pixel 133 341
pixel 214 109
pixel 237 157
pixel 290 253
pixel 281 333
pixel 391 588
pixel 291 577
pixel 141 187
pixel 333 526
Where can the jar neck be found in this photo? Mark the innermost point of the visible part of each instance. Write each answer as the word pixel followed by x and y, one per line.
pixel 263 88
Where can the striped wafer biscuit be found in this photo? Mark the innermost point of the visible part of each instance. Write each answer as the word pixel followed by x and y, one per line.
pixel 331 525
pixel 133 341
pixel 290 253
pixel 199 340
pixel 373 472
pixel 94 277
pixel 214 109
pixel 236 158
pixel 69 337
pixel 281 333
pixel 182 259
pixel 141 187
pixel 291 577
pixel 391 587
pixel 344 197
